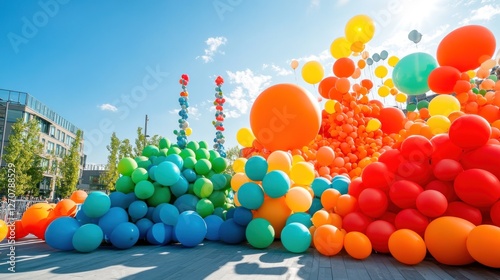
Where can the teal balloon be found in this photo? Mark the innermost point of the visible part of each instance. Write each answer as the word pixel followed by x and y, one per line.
pixel 150 150
pixel 300 217
pixel 139 174
pixel 176 159
pixel 319 185
pixel 296 237
pixel 422 104
pixel 126 166
pixel 125 184
pixel 220 212
pixel 411 73
pixel 260 233
pixel 143 162
pixel 256 168
pixel 137 209
pixel 219 181
pixel 87 238
pixel 144 189
pixel 204 207
pixel 164 143
pixel 250 195
pixel 203 166
pixel 384 54
pixel 410 107
pixel 167 173
pixel 180 187
pixel 186 202
pixel 341 183
pixel 276 183
pixel 96 204
pixel 219 164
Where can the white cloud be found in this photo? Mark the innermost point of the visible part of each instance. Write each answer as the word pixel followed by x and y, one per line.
pixel 280 71
pixel 213 43
pixel 323 56
pixel 248 87
pixel 107 107
pixel 315 3
pixel 342 2
pixel 484 13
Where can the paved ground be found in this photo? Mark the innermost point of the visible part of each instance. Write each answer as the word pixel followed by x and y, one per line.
pixel 214 260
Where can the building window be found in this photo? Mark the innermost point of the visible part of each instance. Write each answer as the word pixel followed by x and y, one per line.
pixel 50 147
pixel 52 131
pixel 58 134
pixel 14 115
pixel 63 136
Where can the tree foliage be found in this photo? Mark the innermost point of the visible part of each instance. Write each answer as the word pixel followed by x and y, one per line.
pixel 111 174
pixel 125 149
pixel 70 168
pixel 231 155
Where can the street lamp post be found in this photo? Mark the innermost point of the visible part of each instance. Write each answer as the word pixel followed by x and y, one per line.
pixel 146 130
pixel 4 130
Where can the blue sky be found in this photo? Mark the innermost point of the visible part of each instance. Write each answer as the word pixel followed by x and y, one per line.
pixel 104 65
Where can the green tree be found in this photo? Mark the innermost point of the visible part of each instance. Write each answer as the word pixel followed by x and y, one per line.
pixel 21 154
pixel 232 154
pixel 70 168
pixel 125 149
pixel 111 174
pixel 139 142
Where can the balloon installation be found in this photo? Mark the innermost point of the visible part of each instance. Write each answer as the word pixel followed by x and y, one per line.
pixel 219 118
pixel 184 129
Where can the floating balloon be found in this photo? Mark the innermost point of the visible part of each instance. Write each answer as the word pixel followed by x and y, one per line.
pixel 294 64
pixel 340 47
pixel 360 28
pixel 415 36
pixel 411 73
pixel 312 72
pixel 443 79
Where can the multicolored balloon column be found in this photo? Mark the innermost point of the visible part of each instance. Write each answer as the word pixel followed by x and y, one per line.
pixel 219 118
pixel 184 129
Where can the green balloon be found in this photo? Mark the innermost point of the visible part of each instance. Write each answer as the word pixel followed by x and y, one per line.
pixel 202 153
pixel 411 73
pixel 190 188
pixel 150 150
pixel 482 92
pixel 164 143
pixel 204 207
pixel 475 90
pixel 422 104
pixel 493 77
pixel 219 164
pixel 213 155
pixel 260 233
pixel 161 195
pixel 174 150
pixel 218 198
pixel 189 162
pixel 124 184
pixel 144 189
pixel 410 107
pixel 163 152
pixel 193 145
pixel 203 187
pixel 228 206
pixel 187 152
pixel 142 161
pixel 126 166
pixel 203 166
pixel 228 180
pixel 220 212
pixel 139 174
pixel 203 144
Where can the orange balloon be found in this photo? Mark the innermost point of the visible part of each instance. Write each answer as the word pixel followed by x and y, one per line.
pixel 343 85
pixel 346 204
pixel 484 245
pixel 329 199
pixel 298 199
pixel 357 245
pixel 343 67
pixel 279 160
pixel 325 155
pixel 321 217
pixel 328 240
pixel 276 212
pixel 238 180
pixel 65 207
pixel 78 196
pixel 35 214
pixel 285 117
pixel 407 246
pixel 445 238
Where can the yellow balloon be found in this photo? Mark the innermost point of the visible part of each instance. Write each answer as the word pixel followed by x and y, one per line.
pixel 360 28
pixel 188 131
pixel 330 106
pixel 302 173
pixel 439 124
pixel 239 165
pixel 393 60
pixel 471 74
pixel 381 71
pixel 389 82
pixel 384 91
pixel 312 72
pixel 294 64
pixel 245 137
pixel 401 97
pixel 340 48
pixel 296 159
pixel 373 125
pixel 443 105
pixel 4 229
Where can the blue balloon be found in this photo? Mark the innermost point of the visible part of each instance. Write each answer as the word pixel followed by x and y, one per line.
pixel 319 185
pixel 189 174
pixel 169 214
pixel 109 221
pixel 151 210
pixel 129 198
pixel 384 54
pixel 186 202
pixel 376 57
pixel 59 234
pixel 369 61
pixel 143 225
pixel 176 159
pixel 256 168
pixel 167 173
pixel 138 209
pixel 84 219
pixel 300 217
pixel 159 234
pixel 242 216
pixel 87 238
pixel 190 229
pixel 414 36
pixel 231 233
pixel 181 186
pixel 341 183
pixel 117 199
pixel 125 235
pixel 96 204
pixel 213 225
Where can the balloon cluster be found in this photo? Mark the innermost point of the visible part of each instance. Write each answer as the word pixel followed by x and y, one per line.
pixel 184 129
pixel 219 139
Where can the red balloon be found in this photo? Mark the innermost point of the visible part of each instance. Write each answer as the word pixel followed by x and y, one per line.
pixel 464 211
pixel 392 159
pixel 495 213
pixel 443 79
pixel 379 232
pixel 355 187
pixel 461 86
pixel 392 120
pixel 477 187
pixel 326 85
pixel 373 202
pixel 432 203
pixel 447 169
pixel 416 148
pixel 404 193
pixel 377 175
pixel 343 67
pixel 444 187
pixel 334 94
pixel 368 84
pixel 420 173
pixel 465 48
pixel 444 148
pixel 412 219
pixel 470 131
pixel 486 157
pixel 389 217
pixel 356 221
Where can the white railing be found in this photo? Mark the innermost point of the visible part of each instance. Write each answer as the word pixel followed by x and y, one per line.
pixel 15 209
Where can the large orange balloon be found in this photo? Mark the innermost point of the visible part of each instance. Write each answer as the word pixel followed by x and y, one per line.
pixel 65 207
pixel 285 117
pixel 357 245
pixel 484 245
pixel 328 240
pixel 465 48
pixel 407 246
pixel 35 214
pixel 446 237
